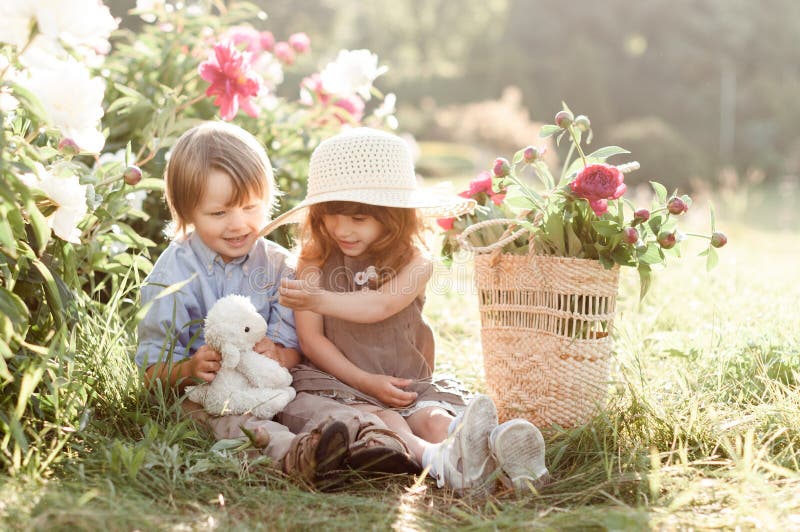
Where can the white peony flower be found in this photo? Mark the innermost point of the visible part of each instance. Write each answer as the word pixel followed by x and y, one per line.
pixel 270 70
pixel 15 19
pixel 387 107
pixel 352 73
pixel 69 197
pixel 136 199
pixel 72 100
pixel 81 24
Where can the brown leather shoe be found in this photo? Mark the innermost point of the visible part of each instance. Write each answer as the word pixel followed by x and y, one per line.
pixel 380 450
pixel 317 453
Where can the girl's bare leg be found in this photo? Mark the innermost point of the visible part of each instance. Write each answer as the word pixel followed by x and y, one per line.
pixel 397 423
pixel 430 424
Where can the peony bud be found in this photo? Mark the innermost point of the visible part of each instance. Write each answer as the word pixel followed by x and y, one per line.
pixel 69 147
pixel 501 167
pixel 531 154
pixel 641 216
pixel 630 235
pixel 284 53
pixel 718 239
pixel 667 240
pixel 300 42
pixel 582 123
pixel 563 119
pixel 676 205
pixel 132 175
pixel 266 40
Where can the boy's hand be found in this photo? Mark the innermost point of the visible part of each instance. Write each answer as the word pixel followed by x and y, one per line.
pixel 388 390
pixel 299 295
pixel 204 364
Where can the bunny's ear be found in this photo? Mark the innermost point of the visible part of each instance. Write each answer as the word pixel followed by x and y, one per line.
pixel 230 355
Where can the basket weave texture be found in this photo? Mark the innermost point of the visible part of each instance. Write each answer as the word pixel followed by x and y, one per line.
pixel 545 325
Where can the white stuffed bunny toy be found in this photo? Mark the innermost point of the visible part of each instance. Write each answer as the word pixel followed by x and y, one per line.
pixel 247 382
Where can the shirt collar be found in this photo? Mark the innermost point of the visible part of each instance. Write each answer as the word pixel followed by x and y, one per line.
pixel 209 256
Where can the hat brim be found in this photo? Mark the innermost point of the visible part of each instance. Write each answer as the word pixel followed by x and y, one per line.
pixel 429 203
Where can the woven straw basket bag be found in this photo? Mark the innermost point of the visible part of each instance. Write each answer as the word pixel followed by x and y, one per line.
pixel 545 324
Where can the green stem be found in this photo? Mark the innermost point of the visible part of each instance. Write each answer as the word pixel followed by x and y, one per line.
pixel 567 160
pixel 698 235
pixel 577 143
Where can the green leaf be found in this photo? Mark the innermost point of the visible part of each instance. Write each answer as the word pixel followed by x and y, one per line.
pixel 518 156
pixel 548 130
pixel 652 254
pixel 55 304
pixel 574 244
pixel 7 241
pixel 623 255
pixel 606 228
pixel 713 217
pixel 554 228
pixel 645 279
pixel 655 223
pixel 660 190
pixel 712 259
pixel 516 197
pixel 604 153
pixel 41 231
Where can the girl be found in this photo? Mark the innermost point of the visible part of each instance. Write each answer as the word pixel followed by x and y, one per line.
pixel 358 309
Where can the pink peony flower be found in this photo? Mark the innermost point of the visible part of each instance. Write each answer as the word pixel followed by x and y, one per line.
pixel 446 223
pixel 300 42
pixel 244 35
pixel 598 183
pixel 232 81
pixel 284 53
pixel 498 198
pixel 311 89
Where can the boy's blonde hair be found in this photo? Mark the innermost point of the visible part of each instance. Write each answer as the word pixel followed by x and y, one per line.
pixel 215 146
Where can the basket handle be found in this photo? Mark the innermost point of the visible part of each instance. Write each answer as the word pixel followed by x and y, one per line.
pixel 464 243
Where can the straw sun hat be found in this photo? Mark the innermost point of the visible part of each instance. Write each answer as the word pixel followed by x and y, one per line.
pixel 369 166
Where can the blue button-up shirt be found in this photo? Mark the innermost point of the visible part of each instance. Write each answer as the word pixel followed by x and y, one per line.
pixel 173 326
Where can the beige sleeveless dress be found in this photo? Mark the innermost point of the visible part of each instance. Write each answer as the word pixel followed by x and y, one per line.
pixel 401 346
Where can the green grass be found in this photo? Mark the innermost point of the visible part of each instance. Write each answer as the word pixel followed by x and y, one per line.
pixel 702 427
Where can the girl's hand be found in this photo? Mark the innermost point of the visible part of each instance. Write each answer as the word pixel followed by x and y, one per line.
pixel 204 364
pixel 299 295
pixel 285 356
pixel 267 347
pixel 388 390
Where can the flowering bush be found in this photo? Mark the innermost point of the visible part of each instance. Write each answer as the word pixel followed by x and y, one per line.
pixel 86 130
pixel 583 215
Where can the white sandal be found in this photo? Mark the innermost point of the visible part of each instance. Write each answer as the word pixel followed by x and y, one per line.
pixel 518 448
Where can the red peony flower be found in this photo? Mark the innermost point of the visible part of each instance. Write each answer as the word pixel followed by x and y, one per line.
pixel 482 183
pixel 446 223
pixel 598 183
pixel 232 80
pixel 498 198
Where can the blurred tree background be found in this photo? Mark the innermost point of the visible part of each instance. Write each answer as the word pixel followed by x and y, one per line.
pixel 689 86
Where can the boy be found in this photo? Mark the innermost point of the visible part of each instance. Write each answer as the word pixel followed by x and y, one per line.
pixel 220 190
